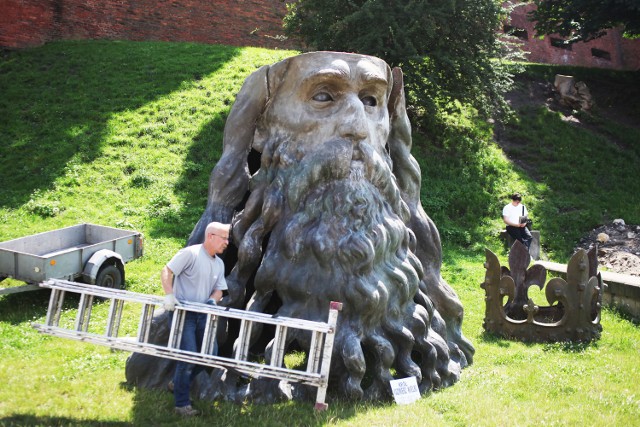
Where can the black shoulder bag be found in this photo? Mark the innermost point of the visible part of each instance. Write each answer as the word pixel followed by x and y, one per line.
pixel 525 220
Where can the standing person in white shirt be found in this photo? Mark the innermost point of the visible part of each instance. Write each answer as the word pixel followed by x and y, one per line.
pixel 194 274
pixel 511 214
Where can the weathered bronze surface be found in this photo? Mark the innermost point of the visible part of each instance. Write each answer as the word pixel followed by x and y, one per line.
pixel 323 193
pixel 573 313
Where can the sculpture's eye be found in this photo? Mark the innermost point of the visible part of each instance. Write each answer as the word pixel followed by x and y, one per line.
pixel 322 97
pixel 369 101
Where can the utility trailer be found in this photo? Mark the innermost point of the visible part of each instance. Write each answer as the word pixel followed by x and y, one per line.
pixel 94 254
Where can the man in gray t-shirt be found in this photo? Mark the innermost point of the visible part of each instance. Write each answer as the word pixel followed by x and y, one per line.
pixel 197 275
pixel 194 274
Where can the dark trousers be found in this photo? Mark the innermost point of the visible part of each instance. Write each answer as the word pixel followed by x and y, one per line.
pixel 192 336
pixel 520 233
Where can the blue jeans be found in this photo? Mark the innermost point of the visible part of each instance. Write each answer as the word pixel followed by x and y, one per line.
pixel 192 336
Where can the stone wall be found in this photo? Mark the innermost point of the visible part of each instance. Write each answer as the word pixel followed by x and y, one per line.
pixel 624 296
pixel 611 51
pixel 27 23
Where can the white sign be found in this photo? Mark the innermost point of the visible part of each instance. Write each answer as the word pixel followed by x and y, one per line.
pixel 405 390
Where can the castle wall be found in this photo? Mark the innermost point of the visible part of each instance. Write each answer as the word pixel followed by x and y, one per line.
pixel 26 23
pixel 610 51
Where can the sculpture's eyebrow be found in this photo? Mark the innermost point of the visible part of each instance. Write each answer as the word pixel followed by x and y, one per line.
pixel 370 78
pixel 326 74
pixel 337 76
pixel 369 74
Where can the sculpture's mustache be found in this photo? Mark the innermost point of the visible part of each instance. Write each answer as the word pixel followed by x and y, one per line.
pixel 334 160
pixel 292 171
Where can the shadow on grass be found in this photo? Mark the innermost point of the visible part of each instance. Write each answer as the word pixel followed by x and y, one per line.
pixel 32 420
pixel 624 315
pixel 489 338
pixel 153 407
pixel 24 307
pixel 57 101
pixel 563 346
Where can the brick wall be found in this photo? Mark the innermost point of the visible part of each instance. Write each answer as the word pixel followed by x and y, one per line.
pixel 25 23
pixel 611 51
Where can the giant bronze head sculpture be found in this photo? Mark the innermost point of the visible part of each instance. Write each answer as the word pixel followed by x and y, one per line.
pixel 333 213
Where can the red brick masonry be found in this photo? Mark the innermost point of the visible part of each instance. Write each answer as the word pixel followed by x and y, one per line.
pixel 611 51
pixel 26 23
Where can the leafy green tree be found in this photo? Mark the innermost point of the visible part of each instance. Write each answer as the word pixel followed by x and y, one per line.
pixel 447 48
pixel 584 20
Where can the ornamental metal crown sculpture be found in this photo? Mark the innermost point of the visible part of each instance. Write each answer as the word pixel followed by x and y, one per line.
pixel 574 307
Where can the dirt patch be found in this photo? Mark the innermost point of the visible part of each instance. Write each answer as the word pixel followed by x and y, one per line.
pixel 618 246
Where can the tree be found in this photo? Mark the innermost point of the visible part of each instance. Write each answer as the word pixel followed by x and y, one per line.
pixel 447 48
pixel 584 20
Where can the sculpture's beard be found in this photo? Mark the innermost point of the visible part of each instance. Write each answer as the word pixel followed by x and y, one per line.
pixel 337 233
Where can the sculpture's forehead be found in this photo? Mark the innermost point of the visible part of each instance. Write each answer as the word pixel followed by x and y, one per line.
pixel 342 66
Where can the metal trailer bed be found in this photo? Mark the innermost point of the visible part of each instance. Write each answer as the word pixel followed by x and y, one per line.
pixel 94 253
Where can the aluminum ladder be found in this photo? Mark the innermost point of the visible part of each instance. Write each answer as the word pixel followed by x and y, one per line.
pixel 105 332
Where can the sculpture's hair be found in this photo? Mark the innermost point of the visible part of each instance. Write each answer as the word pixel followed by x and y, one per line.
pixel 390 252
pixel 332 224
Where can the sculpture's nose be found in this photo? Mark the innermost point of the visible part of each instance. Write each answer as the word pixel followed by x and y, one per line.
pixel 353 123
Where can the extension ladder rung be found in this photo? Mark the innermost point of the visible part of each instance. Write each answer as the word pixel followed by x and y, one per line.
pixel 210 333
pixel 146 317
pixel 177 324
pixel 279 346
pixel 315 352
pixel 244 340
pixel 113 320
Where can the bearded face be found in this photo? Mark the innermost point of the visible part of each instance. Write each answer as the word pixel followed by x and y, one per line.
pixel 326 220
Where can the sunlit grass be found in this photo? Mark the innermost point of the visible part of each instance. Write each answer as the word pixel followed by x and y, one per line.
pixel 125 134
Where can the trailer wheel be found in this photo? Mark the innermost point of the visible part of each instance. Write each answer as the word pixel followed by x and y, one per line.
pixel 109 276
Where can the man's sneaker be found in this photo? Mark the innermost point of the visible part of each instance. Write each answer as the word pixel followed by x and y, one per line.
pixel 187 411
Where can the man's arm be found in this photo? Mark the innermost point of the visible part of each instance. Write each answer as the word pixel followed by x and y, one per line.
pixel 504 217
pixel 166 278
pixel 216 295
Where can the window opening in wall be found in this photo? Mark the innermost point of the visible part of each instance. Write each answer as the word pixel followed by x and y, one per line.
pixel 599 53
pixel 561 44
pixel 520 33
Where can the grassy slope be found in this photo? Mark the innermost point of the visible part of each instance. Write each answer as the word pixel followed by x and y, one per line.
pixel 125 134
pixel 584 164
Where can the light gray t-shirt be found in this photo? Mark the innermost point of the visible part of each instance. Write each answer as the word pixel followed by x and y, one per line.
pixel 196 274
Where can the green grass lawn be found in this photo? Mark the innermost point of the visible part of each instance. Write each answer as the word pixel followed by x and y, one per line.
pixel 125 134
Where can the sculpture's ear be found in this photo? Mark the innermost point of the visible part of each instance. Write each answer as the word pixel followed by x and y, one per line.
pixel 274 78
pixel 396 96
pixel 249 104
pixel 229 179
pixel 276 75
pixel 399 144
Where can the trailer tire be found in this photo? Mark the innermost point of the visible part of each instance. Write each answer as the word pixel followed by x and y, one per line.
pixel 109 276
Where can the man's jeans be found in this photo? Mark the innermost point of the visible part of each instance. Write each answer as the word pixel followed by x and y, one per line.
pixel 520 233
pixel 192 335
